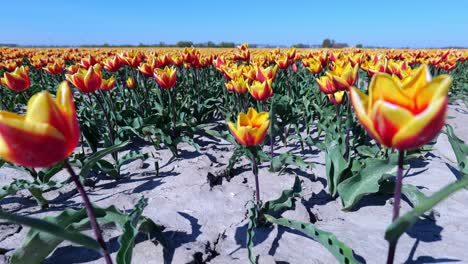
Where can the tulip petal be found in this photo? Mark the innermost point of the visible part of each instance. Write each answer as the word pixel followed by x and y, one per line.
pixel 66 104
pixel 436 89
pixel 260 133
pixel 388 119
pixel 260 119
pixel 423 127
pixel 30 144
pixel 237 133
pixel 383 87
pixel 417 81
pixel 360 103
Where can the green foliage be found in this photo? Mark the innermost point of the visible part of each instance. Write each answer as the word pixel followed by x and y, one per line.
pixel 366 181
pixel 46 234
pixel 404 222
pixel 342 252
pixel 460 149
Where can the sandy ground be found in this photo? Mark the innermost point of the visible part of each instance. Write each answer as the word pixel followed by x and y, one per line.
pixel 205 223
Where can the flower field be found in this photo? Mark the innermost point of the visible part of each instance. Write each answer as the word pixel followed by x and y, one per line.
pixel 242 155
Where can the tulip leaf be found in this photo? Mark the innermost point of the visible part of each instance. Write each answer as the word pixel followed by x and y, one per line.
pixel 224 135
pixel 46 234
pixel 130 231
pixel 401 224
pixel 77 220
pixel 335 166
pixel 21 184
pixel 91 161
pixel 342 252
pixel 411 192
pixel 285 201
pixel 279 162
pixel 365 182
pixel 253 215
pixel 460 149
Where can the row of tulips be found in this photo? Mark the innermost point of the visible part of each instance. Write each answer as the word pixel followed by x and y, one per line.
pixel 404 108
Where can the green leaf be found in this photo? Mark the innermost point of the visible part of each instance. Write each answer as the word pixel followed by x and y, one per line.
pixel 21 184
pixel 38 245
pixel 285 201
pixel 130 231
pixel 224 135
pixel 401 224
pixel 459 148
pixel 411 192
pixel 45 235
pixel 278 162
pixel 131 156
pixel 335 166
pixel 90 161
pixel 253 215
pixel 342 252
pixel 365 182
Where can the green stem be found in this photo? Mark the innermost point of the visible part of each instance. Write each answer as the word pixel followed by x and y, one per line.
pixel 396 203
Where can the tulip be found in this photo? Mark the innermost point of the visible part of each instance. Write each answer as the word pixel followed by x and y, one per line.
pixel 87 81
pixel 88 62
pixel 147 69
pixel 266 73
pixel 336 98
pixel 251 128
pixel 107 85
pixel 18 80
pixel 54 68
pixel 239 85
pixel 326 85
pixel 283 62
pixel 312 65
pixel 113 64
pixel 343 76
pixel 261 90
pixel 229 86
pixel 72 69
pixel 130 83
pixel 47 134
pixel 403 115
pixel 166 78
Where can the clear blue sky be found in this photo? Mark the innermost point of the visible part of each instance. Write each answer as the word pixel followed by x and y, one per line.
pixel 396 23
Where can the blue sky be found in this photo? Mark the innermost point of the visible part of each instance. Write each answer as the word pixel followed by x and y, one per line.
pixel 394 23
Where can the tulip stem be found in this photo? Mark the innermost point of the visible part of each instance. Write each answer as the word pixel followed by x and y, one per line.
pixel 255 173
pixel 173 114
pixel 90 212
pixel 396 202
pixel 109 126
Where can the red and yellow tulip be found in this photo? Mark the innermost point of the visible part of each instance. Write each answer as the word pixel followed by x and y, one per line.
pixel 251 128
pixel 261 90
pixel 403 115
pixel 166 78
pixel 87 81
pixel 130 83
pixel 47 134
pixel 343 75
pixel 55 68
pixel 107 85
pixel 336 98
pixel 18 80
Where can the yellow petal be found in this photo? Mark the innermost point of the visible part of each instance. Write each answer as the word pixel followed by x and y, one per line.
pixel 436 89
pixel 419 79
pixel 260 119
pixel 237 133
pixel 383 87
